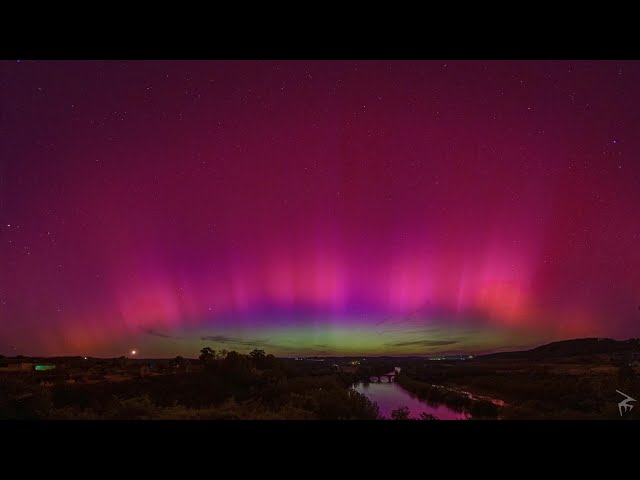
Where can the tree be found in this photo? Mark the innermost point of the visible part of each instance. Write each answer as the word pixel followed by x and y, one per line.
pixel 258 357
pixel 400 413
pixel 237 361
pixel 178 361
pixel 236 368
pixel 361 407
pixel 427 416
pixel 207 355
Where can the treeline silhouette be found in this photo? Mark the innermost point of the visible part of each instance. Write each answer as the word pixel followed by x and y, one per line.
pixel 230 385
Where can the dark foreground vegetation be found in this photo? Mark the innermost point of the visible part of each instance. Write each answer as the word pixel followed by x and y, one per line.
pixel 578 379
pixel 227 386
pixel 569 380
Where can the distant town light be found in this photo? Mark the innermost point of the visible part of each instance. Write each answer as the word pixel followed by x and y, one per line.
pixel 85 358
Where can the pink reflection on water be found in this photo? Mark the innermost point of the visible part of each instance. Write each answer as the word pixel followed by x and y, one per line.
pixel 390 396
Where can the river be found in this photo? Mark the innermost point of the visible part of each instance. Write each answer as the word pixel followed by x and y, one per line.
pixel 390 395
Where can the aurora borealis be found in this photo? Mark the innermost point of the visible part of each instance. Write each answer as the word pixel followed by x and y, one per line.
pixel 317 207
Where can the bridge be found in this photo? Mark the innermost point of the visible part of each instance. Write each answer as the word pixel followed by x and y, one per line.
pixel 391 376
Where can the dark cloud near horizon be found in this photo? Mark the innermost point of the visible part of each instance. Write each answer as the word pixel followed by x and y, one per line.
pixel 232 340
pixel 424 343
pixel 150 331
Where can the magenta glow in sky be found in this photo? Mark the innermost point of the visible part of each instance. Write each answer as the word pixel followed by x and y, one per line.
pixel 319 207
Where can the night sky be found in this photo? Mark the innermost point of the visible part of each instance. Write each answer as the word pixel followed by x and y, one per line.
pixel 317 207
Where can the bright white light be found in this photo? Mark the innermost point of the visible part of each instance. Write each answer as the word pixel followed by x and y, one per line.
pixel 133 352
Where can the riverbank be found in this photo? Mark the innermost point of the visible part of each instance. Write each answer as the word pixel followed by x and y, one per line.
pixel 455 399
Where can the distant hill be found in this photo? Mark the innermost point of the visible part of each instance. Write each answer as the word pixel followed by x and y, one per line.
pixel 578 346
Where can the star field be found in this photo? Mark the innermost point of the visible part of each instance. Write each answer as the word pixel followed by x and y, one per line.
pixel 317 207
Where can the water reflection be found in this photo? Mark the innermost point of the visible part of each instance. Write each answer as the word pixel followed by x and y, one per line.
pixel 390 395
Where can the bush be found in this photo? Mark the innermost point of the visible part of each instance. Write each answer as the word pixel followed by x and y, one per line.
pixel 401 413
